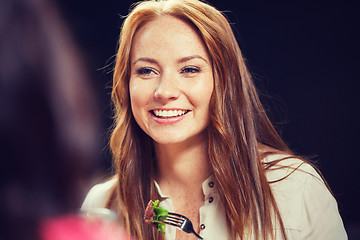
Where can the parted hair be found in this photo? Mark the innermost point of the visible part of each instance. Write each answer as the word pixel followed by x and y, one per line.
pixel 237 129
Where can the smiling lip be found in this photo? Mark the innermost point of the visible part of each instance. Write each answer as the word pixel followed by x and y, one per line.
pixel 168 116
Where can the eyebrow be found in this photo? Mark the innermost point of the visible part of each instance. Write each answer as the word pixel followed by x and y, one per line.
pixel 145 59
pixel 185 59
pixel 181 60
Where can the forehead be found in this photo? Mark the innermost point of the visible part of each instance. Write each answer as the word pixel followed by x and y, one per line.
pixel 170 34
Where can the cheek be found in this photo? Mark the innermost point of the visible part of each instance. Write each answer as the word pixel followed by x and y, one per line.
pixel 201 93
pixel 137 97
pixel 209 89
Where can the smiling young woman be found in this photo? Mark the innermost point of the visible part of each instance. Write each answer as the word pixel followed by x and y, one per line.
pixel 191 131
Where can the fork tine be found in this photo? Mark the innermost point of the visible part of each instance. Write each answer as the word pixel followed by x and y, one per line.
pixel 166 222
pixel 175 218
pixel 176 221
pixel 177 215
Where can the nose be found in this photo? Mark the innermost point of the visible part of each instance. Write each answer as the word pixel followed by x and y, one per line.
pixel 167 88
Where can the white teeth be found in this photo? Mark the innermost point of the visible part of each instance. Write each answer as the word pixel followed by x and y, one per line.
pixel 170 113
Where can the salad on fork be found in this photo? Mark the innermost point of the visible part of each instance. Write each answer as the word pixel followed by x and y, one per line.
pixel 158 216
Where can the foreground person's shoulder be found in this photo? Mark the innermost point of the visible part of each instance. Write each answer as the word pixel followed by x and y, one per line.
pixel 99 194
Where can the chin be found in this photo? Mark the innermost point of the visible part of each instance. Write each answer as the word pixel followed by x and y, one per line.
pixel 169 140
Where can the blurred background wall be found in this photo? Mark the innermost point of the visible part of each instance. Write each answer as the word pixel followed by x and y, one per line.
pixel 305 56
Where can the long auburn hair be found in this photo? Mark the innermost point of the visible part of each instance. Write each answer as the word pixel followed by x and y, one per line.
pixel 238 126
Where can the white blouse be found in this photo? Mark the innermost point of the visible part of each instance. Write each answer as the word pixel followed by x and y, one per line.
pixel 308 209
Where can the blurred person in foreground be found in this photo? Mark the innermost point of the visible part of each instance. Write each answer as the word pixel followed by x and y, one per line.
pixel 48 128
pixel 190 131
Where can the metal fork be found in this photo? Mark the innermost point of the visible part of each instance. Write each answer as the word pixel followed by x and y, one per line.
pixel 181 222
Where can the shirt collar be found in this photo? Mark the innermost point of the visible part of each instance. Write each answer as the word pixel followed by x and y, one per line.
pixel 208 187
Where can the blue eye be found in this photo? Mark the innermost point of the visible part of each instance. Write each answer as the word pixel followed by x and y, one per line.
pixel 144 71
pixel 190 70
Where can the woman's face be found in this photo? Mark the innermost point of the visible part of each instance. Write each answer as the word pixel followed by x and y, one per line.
pixel 171 80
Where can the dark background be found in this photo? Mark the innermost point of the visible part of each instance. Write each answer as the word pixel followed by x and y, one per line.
pixel 304 55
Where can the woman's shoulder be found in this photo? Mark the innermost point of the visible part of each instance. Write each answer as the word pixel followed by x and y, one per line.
pixel 99 194
pixel 305 202
pixel 280 166
pixel 293 177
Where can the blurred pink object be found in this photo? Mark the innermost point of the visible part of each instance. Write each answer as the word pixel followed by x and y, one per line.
pixel 73 227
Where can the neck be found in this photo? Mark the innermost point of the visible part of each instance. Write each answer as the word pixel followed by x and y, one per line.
pixel 183 165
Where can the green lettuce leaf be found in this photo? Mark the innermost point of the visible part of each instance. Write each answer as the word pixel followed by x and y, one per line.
pixel 160 215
